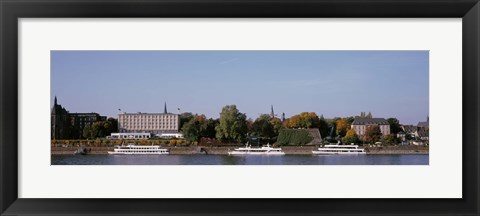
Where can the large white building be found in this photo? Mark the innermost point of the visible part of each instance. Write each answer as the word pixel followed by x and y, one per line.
pixel 154 123
pixel 115 136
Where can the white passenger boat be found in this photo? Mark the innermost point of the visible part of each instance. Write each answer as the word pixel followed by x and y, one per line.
pixel 138 150
pixel 264 150
pixel 339 149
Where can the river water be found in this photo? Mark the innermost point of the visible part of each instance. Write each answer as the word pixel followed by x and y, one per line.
pixel 239 160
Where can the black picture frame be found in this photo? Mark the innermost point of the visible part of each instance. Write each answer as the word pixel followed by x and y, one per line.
pixel 12 10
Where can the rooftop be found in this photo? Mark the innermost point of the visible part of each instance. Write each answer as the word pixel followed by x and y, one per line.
pixel 422 124
pixel 368 121
pixel 141 113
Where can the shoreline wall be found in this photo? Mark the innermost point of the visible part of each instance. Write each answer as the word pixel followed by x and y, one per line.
pixel 223 150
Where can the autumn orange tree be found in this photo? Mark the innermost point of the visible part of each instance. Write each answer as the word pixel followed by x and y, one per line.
pixel 342 126
pixel 277 125
pixel 303 120
pixel 373 134
pixel 350 137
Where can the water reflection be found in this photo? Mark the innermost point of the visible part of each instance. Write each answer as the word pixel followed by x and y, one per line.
pixel 240 160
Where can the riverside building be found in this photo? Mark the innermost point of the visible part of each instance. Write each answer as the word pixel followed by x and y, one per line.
pixel 67 125
pixel 154 123
pixel 360 125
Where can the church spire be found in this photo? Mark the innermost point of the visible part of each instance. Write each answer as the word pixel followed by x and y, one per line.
pixel 271 112
pixel 55 101
pixel 165 108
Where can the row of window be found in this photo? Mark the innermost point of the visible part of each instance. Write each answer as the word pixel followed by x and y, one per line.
pixel 361 130
pixel 135 136
pixel 171 120
pixel 149 123
pixel 171 127
pixel 148 117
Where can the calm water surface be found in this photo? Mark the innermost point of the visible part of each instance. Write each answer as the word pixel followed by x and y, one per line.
pixel 239 160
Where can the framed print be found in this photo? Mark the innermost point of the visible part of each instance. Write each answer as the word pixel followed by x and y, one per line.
pixel 226 107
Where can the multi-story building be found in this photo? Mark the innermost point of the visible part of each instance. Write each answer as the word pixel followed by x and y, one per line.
pixel 360 125
pixel 80 120
pixel 66 125
pixel 154 123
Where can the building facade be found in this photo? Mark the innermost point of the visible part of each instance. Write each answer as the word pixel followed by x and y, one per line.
pixel 360 125
pixel 136 136
pixel 417 135
pixel 66 125
pixel 80 120
pixel 154 123
pixel 59 122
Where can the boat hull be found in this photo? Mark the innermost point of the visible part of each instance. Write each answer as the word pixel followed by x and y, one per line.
pixel 138 153
pixel 337 153
pixel 256 153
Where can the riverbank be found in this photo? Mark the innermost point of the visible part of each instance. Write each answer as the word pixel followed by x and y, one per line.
pixel 397 150
pixel 223 150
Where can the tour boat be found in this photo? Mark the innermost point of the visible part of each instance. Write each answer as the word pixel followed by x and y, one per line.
pixel 339 149
pixel 264 150
pixel 138 150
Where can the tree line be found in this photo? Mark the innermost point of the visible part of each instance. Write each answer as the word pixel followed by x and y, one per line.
pixel 100 129
pixel 233 127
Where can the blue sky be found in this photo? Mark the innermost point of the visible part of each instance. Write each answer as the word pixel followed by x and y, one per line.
pixel 332 83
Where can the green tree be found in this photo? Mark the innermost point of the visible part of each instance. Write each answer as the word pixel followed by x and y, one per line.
pixel 210 131
pixel 391 139
pixel 184 118
pixel 373 134
pixel 232 125
pixel 351 137
pixel 87 131
pixel 394 125
pixel 101 128
pixel 323 127
pixel 98 129
pixel 263 127
pixel 196 128
pixel 350 119
pixel 112 126
pixel 277 126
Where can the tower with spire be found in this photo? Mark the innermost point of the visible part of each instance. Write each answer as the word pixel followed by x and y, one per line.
pixel 165 108
pixel 272 114
pixel 59 121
